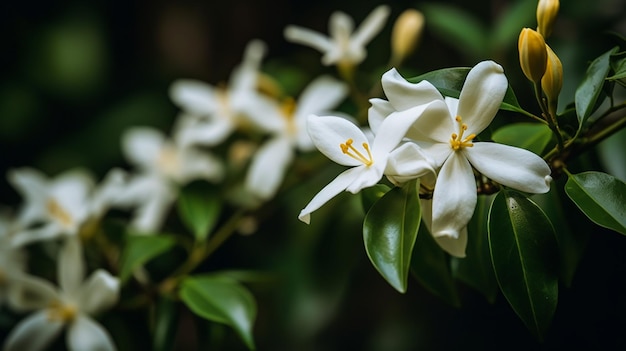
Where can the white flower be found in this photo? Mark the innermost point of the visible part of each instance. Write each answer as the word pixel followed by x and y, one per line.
pixel 344 143
pixel 287 124
pixel 12 260
pixel 52 207
pixel 71 306
pixel 162 166
pixel 211 114
pixel 344 46
pixel 446 132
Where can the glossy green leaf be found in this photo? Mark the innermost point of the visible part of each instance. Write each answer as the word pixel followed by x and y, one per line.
pixel 449 82
pixel 530 136
pixel 456 26
pixel 221 300
pixel 370 195
pixel 475 269
pixel 601 197
pixel 524 253
pixel 572 243
pixel 618 65
pixel 389 232
pixel 140 249
pixel 590 88
pixel 431 267
pixel 199 208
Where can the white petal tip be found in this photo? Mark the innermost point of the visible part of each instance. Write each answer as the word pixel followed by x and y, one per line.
pixel 306 218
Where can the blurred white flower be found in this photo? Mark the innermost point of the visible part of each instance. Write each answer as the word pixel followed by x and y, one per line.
pixel 12 260
pixel 211 114
pixel 287 125
pixel 345 46
pixel 71 305
pixel 52 207
pixel 162 166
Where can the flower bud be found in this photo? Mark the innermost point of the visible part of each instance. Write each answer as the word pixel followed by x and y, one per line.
pixel 406 34
pixel 533 55
pixel 546 14
pixel 552 80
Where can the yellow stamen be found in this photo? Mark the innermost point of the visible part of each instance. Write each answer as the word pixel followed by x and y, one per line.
pixel 349 150
pixel 60 312
pixel 288 108
pixel 456 140
pixel 58 213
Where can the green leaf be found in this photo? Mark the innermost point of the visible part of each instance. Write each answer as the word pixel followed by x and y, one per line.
pixel 165 324
pixel 431 267
pixel 455 26
pixel 140 249
pixel 507 28
pixel 590 88
pixel 618 65
pixel 389 232
pixel 199 208
pixel 221 300
pixel 524 253
pixel 370 195
pixel 475 269
pixel 530 136
pixel 572 243
pixel 449 82
pixel 601 197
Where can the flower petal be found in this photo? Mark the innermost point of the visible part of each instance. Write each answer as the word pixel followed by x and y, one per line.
pixel 337 185
pixel 371 25
pixel 408 162
pixel 142 145
pixel 321 95
pixel 85 334
pixel 305 36
pixel 33 187
pixel 511 166
pixel 71 266
pixel 379 110
pixel 46 232
pixel 30 292
pixel 454 246
pixel 99 292
pixel 33 333
pixel 329 132
pixel 194 96
pixel 454 198
pixel 435 124
pixel 404 95
pixel 268 167
pixel 481 95
pixel 198 164
pixel 190 130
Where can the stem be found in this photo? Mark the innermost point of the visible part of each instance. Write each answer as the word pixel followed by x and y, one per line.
pixel 200 251
pixel 550 117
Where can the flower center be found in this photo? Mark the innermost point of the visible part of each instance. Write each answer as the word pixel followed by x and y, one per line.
pixel 456 140
pixel 168 161
pixel 61 312
pixel 58 213
pixel 349 150
pixel 287 109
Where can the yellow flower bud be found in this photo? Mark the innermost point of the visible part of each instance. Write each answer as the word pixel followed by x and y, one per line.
pixel 552 80
pixel 533 55
pixel 546 14
pixel 406 34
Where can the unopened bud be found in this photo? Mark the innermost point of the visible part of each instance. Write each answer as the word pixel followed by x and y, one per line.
pixel 533 55
pixel 546 15
pixel 552 80
pixel 406 34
